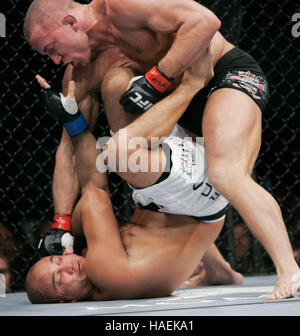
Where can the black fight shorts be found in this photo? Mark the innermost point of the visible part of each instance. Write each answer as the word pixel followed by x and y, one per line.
pixel 236 70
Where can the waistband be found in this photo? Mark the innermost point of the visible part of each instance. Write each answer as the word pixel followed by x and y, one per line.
pixel 235 58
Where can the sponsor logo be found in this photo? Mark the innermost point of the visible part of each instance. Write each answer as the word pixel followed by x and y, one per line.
pixel 197 185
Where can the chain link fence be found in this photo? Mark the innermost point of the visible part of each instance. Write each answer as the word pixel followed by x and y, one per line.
pixel 29 137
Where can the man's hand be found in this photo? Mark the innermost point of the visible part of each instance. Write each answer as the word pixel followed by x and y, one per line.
pixel 145 91
pixel 59 239
pixel 63 109
pixel 201 72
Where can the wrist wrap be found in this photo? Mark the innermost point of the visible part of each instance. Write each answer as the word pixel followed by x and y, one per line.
pixel 61 222
pixel 158 79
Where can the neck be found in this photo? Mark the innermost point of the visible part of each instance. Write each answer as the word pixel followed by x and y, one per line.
pixel 87 18
pixel 97 25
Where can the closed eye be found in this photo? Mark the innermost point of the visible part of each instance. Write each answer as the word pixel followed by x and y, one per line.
pixel 60 278
pixel 58 260
pixel 49 48
pixel 53 47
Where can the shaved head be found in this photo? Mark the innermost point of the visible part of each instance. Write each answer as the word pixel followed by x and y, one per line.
pixel 58 278
pixel 59 29
pixel 45 13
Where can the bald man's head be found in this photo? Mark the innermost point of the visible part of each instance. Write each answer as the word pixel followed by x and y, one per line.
pixel 55 28
pixel 45 13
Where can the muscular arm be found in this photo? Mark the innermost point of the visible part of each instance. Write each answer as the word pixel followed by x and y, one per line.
pixel 65 186
pixel 161 118
pixel 84 144
pixel 193 25
pixel 111 270
pixel 130 144
pixel 88 80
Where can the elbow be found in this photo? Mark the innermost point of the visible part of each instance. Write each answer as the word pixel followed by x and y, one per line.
pixel 211 24
pixel 208 23
pixel 228 180
pixel 214 22
pixel 91 193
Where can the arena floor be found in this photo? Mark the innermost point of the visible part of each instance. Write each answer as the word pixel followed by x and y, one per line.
pixel 247 299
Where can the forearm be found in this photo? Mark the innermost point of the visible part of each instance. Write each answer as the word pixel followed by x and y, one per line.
pixel 65 180
pixel 86 155
pixel 161 118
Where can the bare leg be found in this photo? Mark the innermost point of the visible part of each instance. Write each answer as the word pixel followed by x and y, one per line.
pixel 232 132
pixel 214 270
pixel 113 87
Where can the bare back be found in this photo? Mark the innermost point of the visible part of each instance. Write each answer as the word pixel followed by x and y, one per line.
pixel 127 43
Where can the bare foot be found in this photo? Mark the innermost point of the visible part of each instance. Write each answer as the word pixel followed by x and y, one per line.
pixel 286 286
pixel 209 276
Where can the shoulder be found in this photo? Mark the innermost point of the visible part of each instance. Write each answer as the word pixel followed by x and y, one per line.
pixel 117 5
pixel 128 6
pixel 118 11
pixel 111 282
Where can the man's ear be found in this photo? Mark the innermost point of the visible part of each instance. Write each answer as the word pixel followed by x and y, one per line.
pixel 71 21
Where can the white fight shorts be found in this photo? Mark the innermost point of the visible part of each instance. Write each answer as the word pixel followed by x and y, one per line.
pixel 184 187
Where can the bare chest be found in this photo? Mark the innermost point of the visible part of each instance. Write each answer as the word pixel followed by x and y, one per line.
pixel 143 46
pixel 141 241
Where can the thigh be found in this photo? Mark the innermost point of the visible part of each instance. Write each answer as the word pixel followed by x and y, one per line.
pixel 138 165
pixel 114 84
pixel 232 130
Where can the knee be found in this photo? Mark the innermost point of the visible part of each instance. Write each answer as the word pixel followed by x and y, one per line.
pixel 226 179
pixel 116 80
pixel 92 193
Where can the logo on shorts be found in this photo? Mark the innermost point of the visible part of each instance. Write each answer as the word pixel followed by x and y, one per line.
pixel 246 80
pixel 197 186
pixel 187 156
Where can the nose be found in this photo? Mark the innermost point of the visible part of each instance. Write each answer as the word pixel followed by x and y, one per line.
pixel 67 268
pixel 56 59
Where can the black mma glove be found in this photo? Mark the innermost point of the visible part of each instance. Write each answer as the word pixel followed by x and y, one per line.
pixel 65 110
pixel 145 91
pixel 59 236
